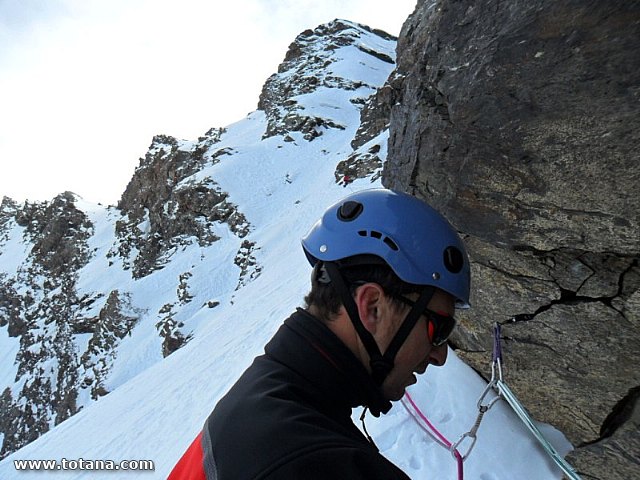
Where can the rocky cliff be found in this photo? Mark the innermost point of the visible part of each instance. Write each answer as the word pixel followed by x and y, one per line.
pixel 519 121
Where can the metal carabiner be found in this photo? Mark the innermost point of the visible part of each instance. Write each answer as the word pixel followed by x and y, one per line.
pixel 472 433
pixel 454 447
pixel 496 379
pixel 490 386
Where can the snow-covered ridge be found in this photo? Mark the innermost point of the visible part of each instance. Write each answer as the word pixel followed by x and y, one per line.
pixel 92 296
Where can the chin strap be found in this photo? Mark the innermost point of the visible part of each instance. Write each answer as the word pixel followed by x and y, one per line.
pixel 380 367
pixel 380 364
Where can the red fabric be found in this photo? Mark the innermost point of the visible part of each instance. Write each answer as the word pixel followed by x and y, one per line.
pixel 191 465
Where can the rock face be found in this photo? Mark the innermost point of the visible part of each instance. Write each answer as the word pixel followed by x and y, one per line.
pixel 519 121
pixel 327 47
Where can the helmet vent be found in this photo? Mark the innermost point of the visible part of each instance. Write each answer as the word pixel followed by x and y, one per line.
pixel 453 259
pixel 374 234
pixel 349 211
pixel 391 244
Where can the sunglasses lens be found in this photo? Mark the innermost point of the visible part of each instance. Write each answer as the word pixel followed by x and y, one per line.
pixel 439 325
pixel 440 328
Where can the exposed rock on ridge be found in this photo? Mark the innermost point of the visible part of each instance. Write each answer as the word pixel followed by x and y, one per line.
pixel 42 314
pixel 307 68
pixel 114 322
pixel 163 212
pixel 160 211
pixel 519 121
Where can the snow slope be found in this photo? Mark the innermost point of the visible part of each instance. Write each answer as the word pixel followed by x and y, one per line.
pixel 157 405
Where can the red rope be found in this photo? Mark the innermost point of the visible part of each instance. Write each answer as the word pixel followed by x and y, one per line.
pixel 435 431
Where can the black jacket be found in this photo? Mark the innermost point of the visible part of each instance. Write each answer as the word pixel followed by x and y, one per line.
pixel 289 416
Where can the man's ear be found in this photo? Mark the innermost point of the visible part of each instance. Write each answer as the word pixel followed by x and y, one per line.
pixel 368 299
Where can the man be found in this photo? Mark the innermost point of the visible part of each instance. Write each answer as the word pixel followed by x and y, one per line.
pixel 388 272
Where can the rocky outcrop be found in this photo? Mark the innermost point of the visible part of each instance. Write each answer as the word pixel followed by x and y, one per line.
pixel 41 312
pixel 245 259
pixel 306 69
pixel 116 319
pixel 58 231
pixel 370 142
pixel 519 121
pixel 365 162
pixel 376 113
pixel 162 211
pixel 8 209
pixel 168 327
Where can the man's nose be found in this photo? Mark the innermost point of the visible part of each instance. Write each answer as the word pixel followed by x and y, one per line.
pixel 438 355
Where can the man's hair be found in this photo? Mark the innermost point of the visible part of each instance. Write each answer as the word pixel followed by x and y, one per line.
pixel 325 298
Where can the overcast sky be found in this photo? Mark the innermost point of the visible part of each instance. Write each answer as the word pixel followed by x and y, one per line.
pixel 85 84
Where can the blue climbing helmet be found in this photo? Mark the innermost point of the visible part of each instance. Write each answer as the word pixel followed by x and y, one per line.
pixel 416 241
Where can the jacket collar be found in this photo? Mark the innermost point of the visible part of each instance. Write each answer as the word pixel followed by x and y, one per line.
pixel 309 347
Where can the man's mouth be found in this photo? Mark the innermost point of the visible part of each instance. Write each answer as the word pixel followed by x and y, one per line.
pixel 420 370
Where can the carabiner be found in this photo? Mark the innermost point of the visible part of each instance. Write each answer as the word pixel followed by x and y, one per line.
pixel 454 447
pixel 490 386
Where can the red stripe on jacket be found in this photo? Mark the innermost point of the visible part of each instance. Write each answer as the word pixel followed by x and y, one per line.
pixel 191 464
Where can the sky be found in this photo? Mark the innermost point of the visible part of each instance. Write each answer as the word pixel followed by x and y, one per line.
pixel 86 84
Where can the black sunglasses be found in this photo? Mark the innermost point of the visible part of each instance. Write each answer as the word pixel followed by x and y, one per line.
pixel 439 326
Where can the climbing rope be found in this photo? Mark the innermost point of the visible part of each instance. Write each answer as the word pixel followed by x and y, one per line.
pixel 505 392
pixel 497 386
pixel 432 431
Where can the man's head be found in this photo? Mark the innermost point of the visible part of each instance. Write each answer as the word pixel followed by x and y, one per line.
pixel 395 269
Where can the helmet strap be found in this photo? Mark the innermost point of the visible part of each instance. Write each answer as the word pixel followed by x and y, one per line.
pixel 380 364
pixel 409 322
pixel 380 367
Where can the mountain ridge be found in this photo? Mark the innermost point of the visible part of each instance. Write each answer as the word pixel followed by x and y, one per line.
pixel 70 333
